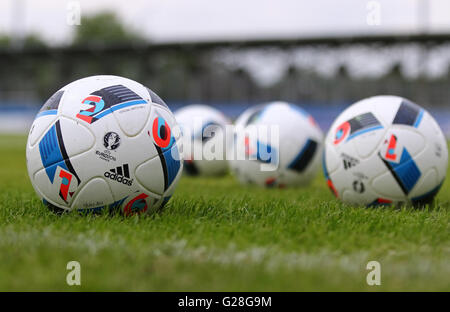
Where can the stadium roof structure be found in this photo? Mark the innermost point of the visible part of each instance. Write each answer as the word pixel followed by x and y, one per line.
pixel 425 39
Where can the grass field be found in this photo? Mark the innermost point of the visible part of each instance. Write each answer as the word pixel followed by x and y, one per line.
pixel 216 235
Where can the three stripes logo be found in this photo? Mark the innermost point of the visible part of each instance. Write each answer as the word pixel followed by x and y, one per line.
pixel 349 162
pixel 120 174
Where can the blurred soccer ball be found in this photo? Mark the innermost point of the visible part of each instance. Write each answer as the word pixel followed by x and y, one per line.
pixel 385 149
pixel 282 136
pixel 104 142
pixel 204 139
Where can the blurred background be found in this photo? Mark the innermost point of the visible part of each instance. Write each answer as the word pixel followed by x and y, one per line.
pixel 321 54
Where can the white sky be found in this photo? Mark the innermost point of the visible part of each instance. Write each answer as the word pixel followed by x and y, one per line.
pixel 186 20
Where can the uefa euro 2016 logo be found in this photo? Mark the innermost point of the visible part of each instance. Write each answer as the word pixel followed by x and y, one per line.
pixel 111 140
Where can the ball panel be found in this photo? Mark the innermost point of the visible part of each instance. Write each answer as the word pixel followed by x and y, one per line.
pixel 169 118
pixel 95 194
pixel 51 106
pixel 367 143
pixel 398 138
pixel 132 117
pixel 426 198
pixel 137 203
pixel 74 137
pixel 150 174
pixel 93 98
pixel 427 183
pixel 386 186
pixel 437 146
pixel 60 189
pixel 171 189
pixel 331 161
pixel 155 99
pixel 39 127
pixel 51 163
pixel 166 136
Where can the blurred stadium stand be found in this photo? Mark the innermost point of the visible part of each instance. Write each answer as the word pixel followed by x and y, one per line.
pixel 321 74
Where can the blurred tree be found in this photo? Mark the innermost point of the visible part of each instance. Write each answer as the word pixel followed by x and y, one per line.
pixel 33 41
pixel 103 28
pixel 30 41
pixel 4 41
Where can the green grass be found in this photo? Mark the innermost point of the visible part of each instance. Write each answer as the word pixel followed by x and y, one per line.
pixel 216 235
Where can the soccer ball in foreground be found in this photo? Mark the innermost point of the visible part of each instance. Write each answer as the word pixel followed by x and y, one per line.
pixel 203 129
pixel 292 158
pixel 383 150
pixel 104 142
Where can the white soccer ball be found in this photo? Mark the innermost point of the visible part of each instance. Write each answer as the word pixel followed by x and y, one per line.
pixel 104 142
pixel 383 150
pixel 291 159
pixel 204 139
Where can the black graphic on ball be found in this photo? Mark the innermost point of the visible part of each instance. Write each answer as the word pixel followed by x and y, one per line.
pixel 111 140
pixel 358 186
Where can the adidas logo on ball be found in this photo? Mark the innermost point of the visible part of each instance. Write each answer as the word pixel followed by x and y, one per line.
pixel 120 174
pixel 349 162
